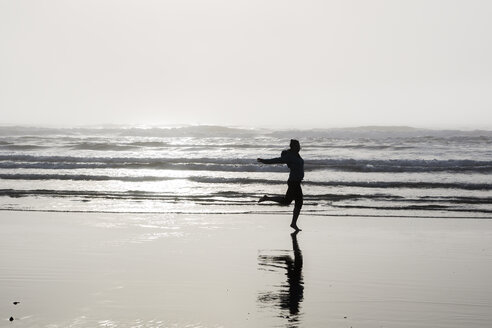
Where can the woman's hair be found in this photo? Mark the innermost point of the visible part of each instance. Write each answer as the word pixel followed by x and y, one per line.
pixel 295 145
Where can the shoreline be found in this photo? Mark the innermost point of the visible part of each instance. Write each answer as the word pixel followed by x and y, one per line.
pixel 254 213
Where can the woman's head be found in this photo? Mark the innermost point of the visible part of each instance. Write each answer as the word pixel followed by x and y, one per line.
pixel 295 145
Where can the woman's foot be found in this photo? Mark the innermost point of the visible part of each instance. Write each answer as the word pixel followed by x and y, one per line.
pixel 262 199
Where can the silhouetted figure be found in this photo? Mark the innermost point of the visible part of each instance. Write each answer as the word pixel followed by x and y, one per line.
pixel 291 294
pixel 295 163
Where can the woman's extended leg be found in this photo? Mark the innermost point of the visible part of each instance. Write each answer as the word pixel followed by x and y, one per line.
pixel 278 199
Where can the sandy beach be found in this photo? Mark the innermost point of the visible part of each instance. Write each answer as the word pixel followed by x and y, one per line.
pixel 135 270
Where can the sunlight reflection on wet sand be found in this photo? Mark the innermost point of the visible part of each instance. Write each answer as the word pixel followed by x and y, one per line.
pixel 127 270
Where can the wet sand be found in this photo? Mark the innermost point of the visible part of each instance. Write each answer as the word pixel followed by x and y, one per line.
pixel 127 270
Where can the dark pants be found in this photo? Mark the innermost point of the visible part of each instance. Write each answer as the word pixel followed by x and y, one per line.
pixel 294 193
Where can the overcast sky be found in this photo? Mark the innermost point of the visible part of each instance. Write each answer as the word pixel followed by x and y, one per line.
pixel 250 63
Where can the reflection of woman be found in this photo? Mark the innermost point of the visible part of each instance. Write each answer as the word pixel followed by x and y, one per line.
pixel 292 293
pixel 294 278
pixel 295 163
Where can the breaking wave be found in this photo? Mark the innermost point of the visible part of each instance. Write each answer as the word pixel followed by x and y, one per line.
pixel 243 164
pixel 249 181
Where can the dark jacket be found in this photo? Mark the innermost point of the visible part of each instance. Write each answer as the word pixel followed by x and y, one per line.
pixel 293 160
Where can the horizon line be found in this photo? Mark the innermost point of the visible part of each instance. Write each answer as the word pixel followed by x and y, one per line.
pixel 233 126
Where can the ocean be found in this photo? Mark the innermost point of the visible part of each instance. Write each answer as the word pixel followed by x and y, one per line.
pixel 365 171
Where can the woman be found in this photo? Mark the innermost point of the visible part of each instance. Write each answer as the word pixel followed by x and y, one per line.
pixel 295 163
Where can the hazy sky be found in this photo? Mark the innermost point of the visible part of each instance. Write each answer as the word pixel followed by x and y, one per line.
pixel 259 63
